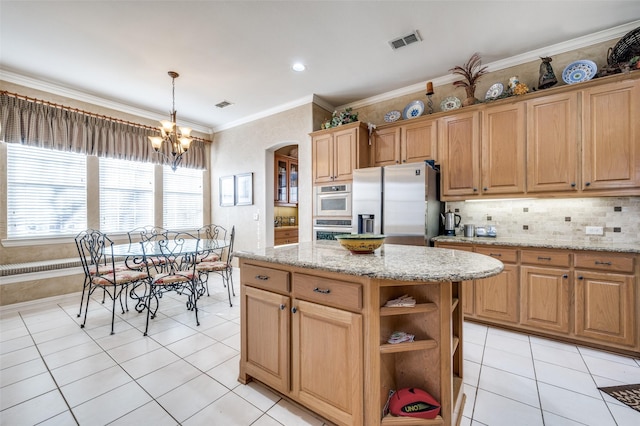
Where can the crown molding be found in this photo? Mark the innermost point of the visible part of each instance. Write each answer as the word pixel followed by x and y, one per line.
pixel 57 89
pixel 556 49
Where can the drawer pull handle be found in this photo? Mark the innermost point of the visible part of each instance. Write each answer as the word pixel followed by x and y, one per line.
pixel 603 263
pixel 319 290
pixel 495 254
pixel 543 258
pixel 262 277
pixel 282 306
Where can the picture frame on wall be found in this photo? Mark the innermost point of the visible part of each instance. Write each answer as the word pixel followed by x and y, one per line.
pixel 227 191
pixel 244 189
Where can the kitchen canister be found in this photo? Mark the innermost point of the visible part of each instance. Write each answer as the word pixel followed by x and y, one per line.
pixel 469 230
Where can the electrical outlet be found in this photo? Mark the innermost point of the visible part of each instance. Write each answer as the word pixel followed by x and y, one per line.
pixel 594 230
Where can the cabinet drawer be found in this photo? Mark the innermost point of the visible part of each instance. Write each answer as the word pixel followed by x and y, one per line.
pixel 502 254
pixel 604 262
pixel 326 291
pixel 265 278
pixel 541 257
pixel 286 233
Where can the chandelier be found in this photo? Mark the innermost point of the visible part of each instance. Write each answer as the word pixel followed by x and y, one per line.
pixel 178 138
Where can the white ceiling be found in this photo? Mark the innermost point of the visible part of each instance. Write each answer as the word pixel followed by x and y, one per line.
pixel 242 51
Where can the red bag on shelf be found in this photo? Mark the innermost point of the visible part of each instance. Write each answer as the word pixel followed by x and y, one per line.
pixel 414 402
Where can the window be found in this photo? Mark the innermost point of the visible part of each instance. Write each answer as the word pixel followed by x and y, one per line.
pixel 126 195
pixel 182 198
pixel 46 192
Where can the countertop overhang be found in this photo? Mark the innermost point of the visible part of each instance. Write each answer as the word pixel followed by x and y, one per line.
pixel 550 243
pixel 391 261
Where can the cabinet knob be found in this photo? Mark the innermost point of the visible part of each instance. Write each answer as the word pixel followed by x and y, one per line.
pixel 404 161
pixel 282 306
pixel 580 277
pixel 565 276
pixel 587 184
pixel 485 188
pixel 475 189
pixel 294 310
pixel 573 184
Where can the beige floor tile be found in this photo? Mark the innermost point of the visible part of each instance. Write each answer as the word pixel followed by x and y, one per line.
pixel 133 349
pixel 85 367
pixel 211 356
pixel 94 385
pixel 63 419
pixel 258 395
pixel 169 377
pixel 69 341
pixel 230 410
pixel 22 371
pixel 18 357
pixel 509 385
pixel 15 344
pixel 186 400
pixel 26 389
pixel 111 405
pixel 149 414
pixel 290 414
pixel 191 344
pixel 227 372
pixel 223 331
pixel 13 333
pixel 151 361
pixel 574 406
pixel 497 410
pixel 75 353
pixel 35 410
pixel 171 335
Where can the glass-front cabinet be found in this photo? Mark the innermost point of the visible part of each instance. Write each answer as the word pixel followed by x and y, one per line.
pixel 286 180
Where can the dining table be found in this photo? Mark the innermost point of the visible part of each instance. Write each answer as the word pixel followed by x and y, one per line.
pixel 137 255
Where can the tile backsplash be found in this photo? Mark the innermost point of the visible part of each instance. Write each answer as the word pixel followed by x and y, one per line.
pixel 559 219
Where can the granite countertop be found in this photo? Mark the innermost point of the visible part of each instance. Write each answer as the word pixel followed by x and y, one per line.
pixel 525 241
pixel 391 261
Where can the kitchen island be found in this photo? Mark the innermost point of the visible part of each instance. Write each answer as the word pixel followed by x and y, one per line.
pixel 314 326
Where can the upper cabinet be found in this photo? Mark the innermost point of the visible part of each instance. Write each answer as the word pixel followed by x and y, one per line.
pixel 580 140
pixel 338 151
pixel 611 136
pixel 405 143
pixel 286 180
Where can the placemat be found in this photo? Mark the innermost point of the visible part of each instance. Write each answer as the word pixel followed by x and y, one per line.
pixel 627 394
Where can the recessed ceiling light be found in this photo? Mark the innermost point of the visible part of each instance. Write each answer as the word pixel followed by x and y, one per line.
pixel 298 66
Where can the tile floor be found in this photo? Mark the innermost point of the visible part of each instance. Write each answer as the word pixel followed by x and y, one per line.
pixel 54 373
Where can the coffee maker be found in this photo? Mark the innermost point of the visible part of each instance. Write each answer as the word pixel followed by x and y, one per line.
pixel 450 221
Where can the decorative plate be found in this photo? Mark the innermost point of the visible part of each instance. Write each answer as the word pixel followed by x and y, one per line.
pixel 413 109
pixel 579 71
pixel 450 103
pixel 392 116
pixel 494 91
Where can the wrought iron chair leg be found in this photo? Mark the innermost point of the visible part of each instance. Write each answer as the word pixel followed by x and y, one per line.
pixel 84 288
pixel 86 307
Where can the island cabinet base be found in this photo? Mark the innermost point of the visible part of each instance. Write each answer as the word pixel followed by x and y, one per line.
pixel 320 339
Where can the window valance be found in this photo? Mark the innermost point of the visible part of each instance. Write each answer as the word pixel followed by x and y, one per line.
pixel 42 124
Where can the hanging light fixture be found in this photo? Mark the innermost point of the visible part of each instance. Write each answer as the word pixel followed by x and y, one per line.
pixel 178 138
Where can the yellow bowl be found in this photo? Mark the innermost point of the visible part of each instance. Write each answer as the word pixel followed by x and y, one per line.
pixel 361 243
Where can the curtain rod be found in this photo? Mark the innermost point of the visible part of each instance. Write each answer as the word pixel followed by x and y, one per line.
pixel 90 114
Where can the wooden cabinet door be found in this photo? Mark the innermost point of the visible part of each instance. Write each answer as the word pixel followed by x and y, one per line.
pixel 344 154
pixel 544 298
pixel 611 135
pixel 497 296
pixel 419 141
pixel 322 158
pixel 386 147
pixel 460 154
pixel 327 355
pixel 467 287
pixel 605 307
pixel 503 149
pixel 266 329
pixel 552 143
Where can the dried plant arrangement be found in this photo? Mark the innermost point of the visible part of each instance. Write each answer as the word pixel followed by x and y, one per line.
pixel 471 71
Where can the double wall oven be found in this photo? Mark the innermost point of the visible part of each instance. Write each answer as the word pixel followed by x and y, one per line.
pixel 331 211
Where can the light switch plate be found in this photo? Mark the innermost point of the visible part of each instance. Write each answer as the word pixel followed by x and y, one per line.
pixel 594 230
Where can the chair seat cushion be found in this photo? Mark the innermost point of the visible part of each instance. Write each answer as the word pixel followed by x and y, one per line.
pixel 107 269
pixel 211 266
pixel 211 257
pixel 120 277
pixel 167 278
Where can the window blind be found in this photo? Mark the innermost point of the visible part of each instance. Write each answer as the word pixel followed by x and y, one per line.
pixel 46 192
pixel 182 198
pixel 126 195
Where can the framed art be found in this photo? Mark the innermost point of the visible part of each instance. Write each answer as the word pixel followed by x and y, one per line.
pixel 227 191
pixel 244 189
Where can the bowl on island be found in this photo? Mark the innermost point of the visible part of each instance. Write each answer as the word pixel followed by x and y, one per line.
pixel 361 243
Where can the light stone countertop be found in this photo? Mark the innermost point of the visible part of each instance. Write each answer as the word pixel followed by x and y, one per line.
pixel 525 241
pixel 391 261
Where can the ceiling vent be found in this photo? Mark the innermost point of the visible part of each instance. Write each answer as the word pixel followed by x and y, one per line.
pixel 223 104
pixel 403 41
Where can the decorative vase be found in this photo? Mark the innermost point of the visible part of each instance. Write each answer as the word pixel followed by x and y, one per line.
pixel 469 101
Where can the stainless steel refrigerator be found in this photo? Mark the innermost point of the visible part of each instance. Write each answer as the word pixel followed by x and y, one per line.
pixel 399 201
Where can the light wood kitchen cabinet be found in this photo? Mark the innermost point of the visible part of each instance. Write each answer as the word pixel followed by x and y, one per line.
pixel 503 149
pixel 552 143
pixel 338 151
pixel 497 297
pixel 406 143
pixel 286 181
pixel 460 154
pixel 545 290
pixel 467 287
pixel 285 235
pixel 610 135
pixel 605 294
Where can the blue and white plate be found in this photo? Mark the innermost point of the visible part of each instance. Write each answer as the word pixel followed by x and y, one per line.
pixel 579 71
pixel 392 116
pixel 494 91
pixel 450 103
pixel 413 109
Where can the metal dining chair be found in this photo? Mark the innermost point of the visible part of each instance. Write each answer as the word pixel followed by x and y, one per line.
pixel 173 268
pixel 212 232
pixel 222 267
pixel 103 272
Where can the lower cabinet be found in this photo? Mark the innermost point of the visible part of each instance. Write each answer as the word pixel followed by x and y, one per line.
pixel 580 296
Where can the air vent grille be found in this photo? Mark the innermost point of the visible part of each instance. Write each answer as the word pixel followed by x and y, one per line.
pixel 405 40
pixel 223 104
